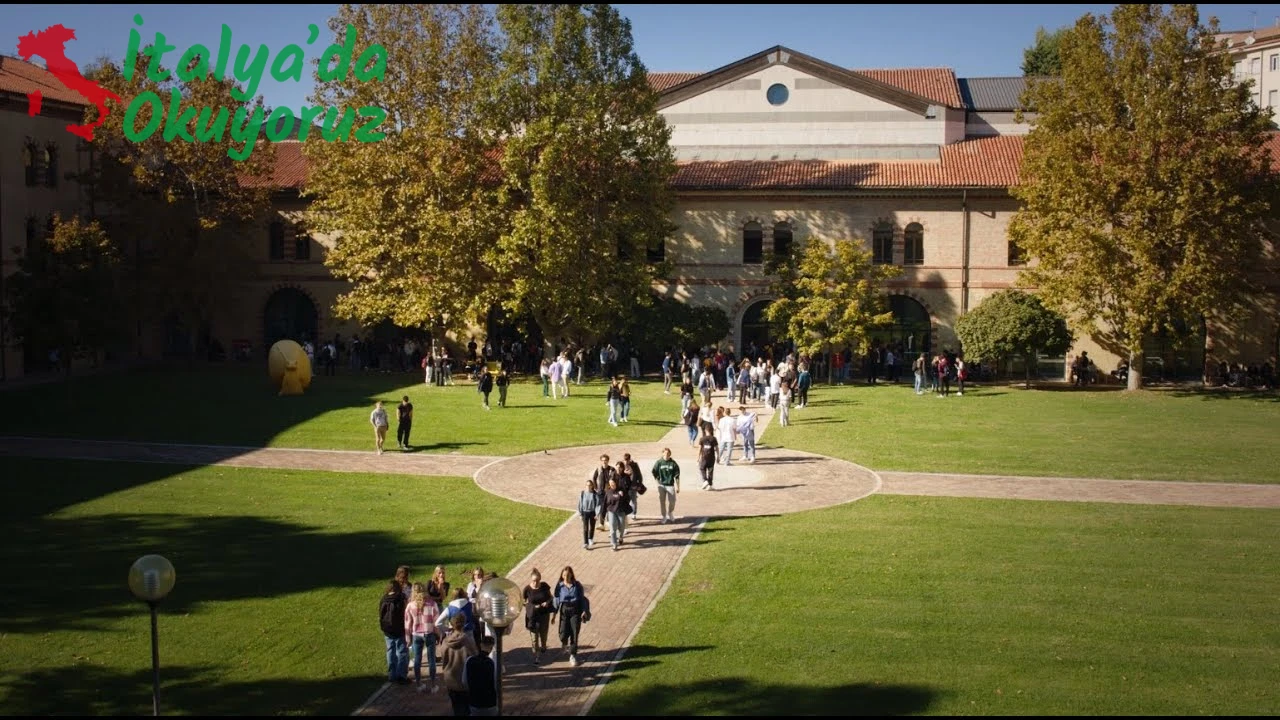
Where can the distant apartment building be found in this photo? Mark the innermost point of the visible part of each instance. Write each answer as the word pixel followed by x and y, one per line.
pixel 1257 57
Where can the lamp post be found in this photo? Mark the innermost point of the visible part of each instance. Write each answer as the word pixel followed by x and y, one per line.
pixel 500 603
pixel 151 579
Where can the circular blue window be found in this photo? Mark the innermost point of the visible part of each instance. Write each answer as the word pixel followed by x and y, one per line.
pixel 777 94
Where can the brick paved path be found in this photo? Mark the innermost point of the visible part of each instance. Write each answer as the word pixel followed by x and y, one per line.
pixel 630 582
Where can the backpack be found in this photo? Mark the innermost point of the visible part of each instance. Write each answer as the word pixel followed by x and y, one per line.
pixel 392 622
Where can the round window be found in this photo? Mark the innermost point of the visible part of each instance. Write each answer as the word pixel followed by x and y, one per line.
pixel 777 94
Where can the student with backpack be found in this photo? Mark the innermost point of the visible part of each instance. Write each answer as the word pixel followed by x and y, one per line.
pixel 391 619
pixel 480 679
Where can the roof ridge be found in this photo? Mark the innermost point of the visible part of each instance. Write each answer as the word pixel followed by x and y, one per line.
pixel 900 69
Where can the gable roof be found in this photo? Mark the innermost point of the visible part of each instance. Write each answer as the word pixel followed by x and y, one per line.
pixel 20 77
pixel 906 96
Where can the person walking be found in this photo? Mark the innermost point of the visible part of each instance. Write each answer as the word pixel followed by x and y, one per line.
pixel 726 429
pixel 601 477
pixel 615 503
pixel 666 374
pixel 459 646
pixel 686 393
pixel 588 509
pixel 545 372
pixel 624 398
pixel 404 422
pixel 917 369
pixel 803 381
pixel 502 382
pixel 380 425
pixel 391 618
pixel 784 403
pixel 613 397
pixel 574 608
pixel 539 604
pixel 690 419
pixel 485 385
pixel 636 485
pixel 667 474
pixel 707 449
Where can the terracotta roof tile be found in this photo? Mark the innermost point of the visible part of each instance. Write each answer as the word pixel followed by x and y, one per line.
pixel 936 84
pixel 290 171
pixel 663 80
pixel 19 76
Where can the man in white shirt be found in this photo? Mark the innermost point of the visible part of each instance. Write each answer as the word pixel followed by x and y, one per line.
pixel 746 427
pixel 726 432
pixel 566 369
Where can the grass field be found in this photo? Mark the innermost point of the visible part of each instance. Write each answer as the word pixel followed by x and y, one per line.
pixel 279 578
pixel 1154 435
pixel 902 605
pixel 239 407
pixel 1164 435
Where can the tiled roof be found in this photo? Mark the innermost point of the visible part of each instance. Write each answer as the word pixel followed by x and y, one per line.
pixel 19 76
pixel 986 162
pixel 662 80
pixel 1237 37
pixel 289 172
pixel 991 94
pixel 936 84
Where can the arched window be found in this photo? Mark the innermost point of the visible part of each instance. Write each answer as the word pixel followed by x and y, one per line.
pixel 29 163
pixel 51 165
pixel 882 244
pixel 913 245
pixel 752 244
pixel 782 239
pixel 275 239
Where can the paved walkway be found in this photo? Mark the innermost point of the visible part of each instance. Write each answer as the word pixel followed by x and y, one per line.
pixel 630 582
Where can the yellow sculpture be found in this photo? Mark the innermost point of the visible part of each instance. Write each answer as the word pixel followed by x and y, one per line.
pixel 289 366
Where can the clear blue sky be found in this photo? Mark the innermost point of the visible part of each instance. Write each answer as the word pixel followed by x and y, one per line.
pixel 974 40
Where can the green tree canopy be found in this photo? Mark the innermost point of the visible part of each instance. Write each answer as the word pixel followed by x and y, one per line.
pixel 175 200
pixel 65 294
pixel 1043 58
pixel 1012 322
pixel 829 295
pixel 1145 185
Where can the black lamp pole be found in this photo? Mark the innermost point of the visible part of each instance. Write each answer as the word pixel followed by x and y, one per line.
pixel 155 661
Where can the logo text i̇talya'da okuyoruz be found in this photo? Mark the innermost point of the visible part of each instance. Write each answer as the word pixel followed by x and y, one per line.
pixel 212 123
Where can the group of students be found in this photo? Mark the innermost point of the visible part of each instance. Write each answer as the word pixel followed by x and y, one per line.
pixel 414 617
pixel 715 431
pixel 613 493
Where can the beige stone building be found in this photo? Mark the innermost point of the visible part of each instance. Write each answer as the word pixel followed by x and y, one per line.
pixel 1256 54
pixel 774 149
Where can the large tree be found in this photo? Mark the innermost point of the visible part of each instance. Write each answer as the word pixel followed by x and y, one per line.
pixel 830 296
pixel 1012 322
pixel 1145 184
pixel 175 199
pixel 412 213
pixel 66 293
pixel 586 169
pixel 525 164
pixel 1043 59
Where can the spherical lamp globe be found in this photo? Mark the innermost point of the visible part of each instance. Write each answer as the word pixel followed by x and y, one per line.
pixel 151 578
pixel 500 602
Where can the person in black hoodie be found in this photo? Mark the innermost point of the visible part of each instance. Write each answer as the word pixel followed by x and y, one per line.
pixel 485 385
pixel 480 678
pixel 391 619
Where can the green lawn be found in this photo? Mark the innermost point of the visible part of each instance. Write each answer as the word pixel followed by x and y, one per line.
pixel 239 407
pixel 905 605
pixel 1152 435
pixel 279 578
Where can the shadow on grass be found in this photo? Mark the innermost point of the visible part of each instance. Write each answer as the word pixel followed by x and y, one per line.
pixel 217 558
pixel 741 696
pixel 89 690
pixel 429 447
pixel 1227 394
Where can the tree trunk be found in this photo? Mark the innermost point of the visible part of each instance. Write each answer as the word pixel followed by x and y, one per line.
pixel 1135 370
pixel 829 364
pixel 1026 366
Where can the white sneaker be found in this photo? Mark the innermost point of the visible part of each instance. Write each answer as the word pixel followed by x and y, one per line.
pixel 573 659
pixel 591 544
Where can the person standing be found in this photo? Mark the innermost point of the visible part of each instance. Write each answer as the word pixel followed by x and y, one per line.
pixel 420 631
pixel 438 587
pixel 624 398
pixel 566 371
pixel 380 424
pixel 690 419
pixel 554 371
pixel 614 398
pixel 666 374
pixel 784 403
pixel 707 449
pixel 545 372
pixel 803 381
pixel 480 679
pixel 404 422
pixel 588 508
pixel 667 474
pixel 746 427
pixel 537 619
pixel 686 392
pixel 485 385
pixel 726 428
pixel 574 608
pixel 391 617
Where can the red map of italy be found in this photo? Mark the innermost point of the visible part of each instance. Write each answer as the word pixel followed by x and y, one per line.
pixel 51 44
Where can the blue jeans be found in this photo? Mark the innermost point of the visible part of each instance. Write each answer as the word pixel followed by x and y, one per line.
pixel 429 640
pixel 726 451
pixel 749 445
pixel 626 409
pixel 617 523
pixel 613 412
pixel 919 383
pixel 693 433
pixel 397 659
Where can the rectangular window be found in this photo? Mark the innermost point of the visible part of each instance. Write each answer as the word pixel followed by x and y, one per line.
pixel 302 247
pixel 51 166
pixel 1255 66
pixel 657 253
pixel 1016 256
pixel 882 245
pixel 275 241
pixel 913 245
pixel 752 247
pixel 1271 101
pixel 1275 61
